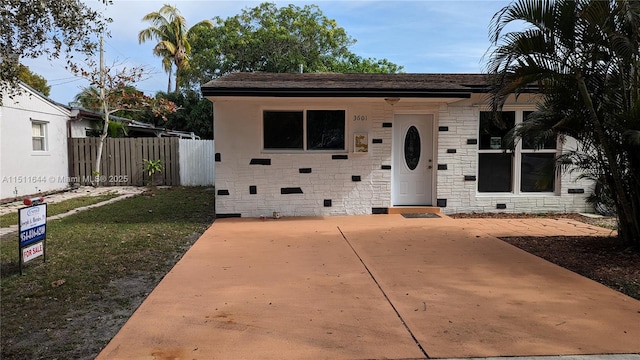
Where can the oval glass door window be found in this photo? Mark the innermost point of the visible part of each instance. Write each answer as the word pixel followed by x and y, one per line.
pixel 412 147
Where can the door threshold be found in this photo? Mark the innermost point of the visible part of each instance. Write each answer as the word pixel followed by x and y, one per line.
pixel 414 210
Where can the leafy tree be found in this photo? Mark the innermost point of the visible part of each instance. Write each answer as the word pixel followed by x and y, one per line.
pixel 170 29
pixel 50 28
pixel 584 56
pixel 353 63
pixel 271 39
pixel 194 113
pixel 89 98
pixel 34 80
pixel 117 129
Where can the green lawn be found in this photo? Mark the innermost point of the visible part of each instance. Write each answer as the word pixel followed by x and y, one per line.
pixel 101 263
pixel 60 207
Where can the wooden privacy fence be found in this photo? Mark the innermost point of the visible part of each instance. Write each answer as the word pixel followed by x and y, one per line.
pixel 122 162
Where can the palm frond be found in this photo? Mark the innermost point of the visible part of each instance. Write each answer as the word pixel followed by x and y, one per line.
pixel 584 56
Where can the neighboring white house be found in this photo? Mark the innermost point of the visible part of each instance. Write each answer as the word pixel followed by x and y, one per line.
pixel 33 145
pixel 332 144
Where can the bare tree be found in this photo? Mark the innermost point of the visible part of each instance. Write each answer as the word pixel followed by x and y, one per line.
pixel 110 82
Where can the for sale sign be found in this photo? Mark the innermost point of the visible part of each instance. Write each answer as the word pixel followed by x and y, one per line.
pixel 32 251
pixel 33 232
pixel 33 223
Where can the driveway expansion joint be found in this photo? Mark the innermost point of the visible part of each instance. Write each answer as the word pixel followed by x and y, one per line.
pixel 384 294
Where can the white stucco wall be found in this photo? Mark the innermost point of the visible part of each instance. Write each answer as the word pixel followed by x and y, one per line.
pixel 238 134
pixel 22 170
pixel 78 128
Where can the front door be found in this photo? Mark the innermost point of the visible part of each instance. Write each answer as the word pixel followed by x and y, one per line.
pixel 412 159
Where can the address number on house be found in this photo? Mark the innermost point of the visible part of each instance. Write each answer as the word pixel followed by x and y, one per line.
pixel 359 117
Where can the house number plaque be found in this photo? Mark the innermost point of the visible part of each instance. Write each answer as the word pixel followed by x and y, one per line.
pixel 359 117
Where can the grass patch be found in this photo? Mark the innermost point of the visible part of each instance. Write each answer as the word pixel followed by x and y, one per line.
pixel 60 207
pixel 101 264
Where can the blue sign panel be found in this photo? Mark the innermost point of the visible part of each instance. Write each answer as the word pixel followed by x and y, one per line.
pixel 33 224
pixel 32 235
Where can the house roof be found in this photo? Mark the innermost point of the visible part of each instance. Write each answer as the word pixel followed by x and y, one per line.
pixel 346 85
pixel 32 94
pixel 137 126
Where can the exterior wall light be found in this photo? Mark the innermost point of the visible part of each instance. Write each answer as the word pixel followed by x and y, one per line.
pixel 392 101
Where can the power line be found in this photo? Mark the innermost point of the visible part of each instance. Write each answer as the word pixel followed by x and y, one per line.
pixel 65 78
pixel 116 49
pixel 67 82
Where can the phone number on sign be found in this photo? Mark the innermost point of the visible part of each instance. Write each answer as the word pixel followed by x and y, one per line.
pixel 33 179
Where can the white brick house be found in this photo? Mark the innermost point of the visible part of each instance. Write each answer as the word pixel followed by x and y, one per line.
pixel 338 144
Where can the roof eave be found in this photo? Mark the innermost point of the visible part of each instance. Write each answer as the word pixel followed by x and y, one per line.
pixel 347 93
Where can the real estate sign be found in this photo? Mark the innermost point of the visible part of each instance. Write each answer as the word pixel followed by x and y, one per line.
pixel 32 251
pixel 33 232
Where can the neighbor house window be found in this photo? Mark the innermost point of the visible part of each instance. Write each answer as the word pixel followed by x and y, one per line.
pixel 39 136
pixel 521 170
pixel 304 130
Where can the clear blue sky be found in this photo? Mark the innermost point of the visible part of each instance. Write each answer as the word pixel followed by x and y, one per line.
pixel 428 36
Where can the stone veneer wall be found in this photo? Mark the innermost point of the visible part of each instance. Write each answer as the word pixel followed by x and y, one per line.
pixel 458 150
pixel 251 182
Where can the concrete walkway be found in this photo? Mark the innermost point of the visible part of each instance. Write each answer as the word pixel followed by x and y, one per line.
pixel 376 287
pixel 123 192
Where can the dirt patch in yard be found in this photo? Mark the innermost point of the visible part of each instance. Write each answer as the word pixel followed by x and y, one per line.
pixel 602 259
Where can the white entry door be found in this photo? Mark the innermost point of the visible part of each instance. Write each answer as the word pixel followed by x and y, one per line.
pixel 412 159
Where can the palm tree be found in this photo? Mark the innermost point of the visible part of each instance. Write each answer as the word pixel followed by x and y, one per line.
pixel 170 29
pixel 88 98
pixel 584 56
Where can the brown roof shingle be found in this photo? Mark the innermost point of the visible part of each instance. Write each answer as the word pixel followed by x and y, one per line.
pixel 346 85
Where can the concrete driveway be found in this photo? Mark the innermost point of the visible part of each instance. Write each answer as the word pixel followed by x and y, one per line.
pixel 375 287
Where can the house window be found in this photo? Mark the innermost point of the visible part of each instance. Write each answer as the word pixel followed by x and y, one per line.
pixel 304 130
pixel 495 167
pixel 537 166
pixel 283 130
pixel 39 136
pixel 522 170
